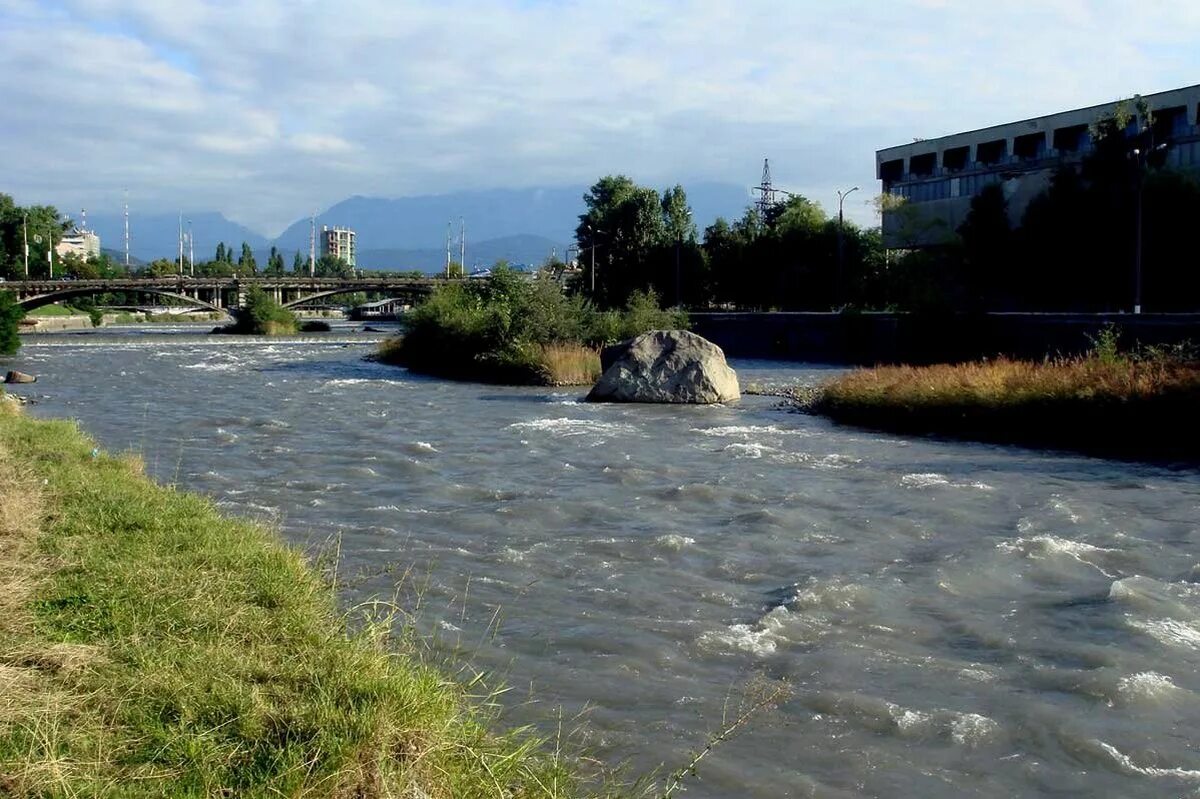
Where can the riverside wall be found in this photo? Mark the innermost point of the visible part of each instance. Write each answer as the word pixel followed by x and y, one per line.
pixel 869 338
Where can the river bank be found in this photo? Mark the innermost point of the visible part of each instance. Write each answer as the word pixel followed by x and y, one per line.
pixel 146 638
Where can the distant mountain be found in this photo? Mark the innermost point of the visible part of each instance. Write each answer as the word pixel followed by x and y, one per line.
pixel 419 223
pixel 517 250
pixel 519 225
pixel 157 235
pixel 118 256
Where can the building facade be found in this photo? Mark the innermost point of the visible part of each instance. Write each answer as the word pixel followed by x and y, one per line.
pixel 77 241
pixel 938 177
pixel 340 243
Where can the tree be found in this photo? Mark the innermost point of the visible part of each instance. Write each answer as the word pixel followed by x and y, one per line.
pixel 246 263
pixel 297 264
pixel 220 256
pixel 11 315
pixel 987 239
pixel 332 266
pixel 45 228
pixel 274 263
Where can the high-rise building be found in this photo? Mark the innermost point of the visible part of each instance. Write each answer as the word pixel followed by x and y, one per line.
pixel 938 177
pixel 78 241
pixel 339 242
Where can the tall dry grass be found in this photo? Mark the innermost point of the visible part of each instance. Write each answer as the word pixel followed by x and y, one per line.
pixel 1125 404
pixel 568 364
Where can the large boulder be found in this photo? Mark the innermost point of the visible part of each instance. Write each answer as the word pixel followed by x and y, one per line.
pixel 665 366
pixel 19 377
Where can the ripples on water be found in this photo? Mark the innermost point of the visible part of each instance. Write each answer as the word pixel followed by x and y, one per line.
pixel 956 619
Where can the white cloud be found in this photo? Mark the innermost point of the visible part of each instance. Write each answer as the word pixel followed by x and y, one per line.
pixel 269 109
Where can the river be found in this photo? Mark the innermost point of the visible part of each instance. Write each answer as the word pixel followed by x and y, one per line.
pixel 954 619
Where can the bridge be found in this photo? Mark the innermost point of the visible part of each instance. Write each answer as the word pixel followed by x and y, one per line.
pixel 220 293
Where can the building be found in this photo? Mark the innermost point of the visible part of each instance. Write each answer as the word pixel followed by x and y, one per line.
pixel 938 177
pixel 78 241
pixel 339 242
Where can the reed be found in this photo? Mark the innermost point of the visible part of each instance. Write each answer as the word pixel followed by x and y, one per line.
pixel 1140 404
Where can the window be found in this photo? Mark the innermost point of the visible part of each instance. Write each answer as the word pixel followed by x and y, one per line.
pixel 1071 139
pixel 892 171
pixel 922 165
pixel 1030 147
pixel 991 152
pixel 955 158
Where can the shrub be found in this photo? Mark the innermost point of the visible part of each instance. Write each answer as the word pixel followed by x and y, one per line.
pixel 11 315
pixel 509 329
pixel 262 316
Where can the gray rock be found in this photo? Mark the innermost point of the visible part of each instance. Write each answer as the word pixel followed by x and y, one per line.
pixel 19 377
pixel 665 366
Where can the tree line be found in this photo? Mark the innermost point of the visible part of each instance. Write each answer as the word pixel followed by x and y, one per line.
pixel 1074 248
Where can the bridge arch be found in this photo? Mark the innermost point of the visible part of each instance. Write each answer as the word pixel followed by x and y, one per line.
pixel 29 303
pixel 414 292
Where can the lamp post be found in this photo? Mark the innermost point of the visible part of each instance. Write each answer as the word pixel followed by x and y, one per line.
pixel 594 231
pixel 842 195
pixel 678 247
pixel 1140 158
pixel 25 231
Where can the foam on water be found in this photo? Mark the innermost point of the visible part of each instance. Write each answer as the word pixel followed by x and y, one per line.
pixel 1169 631
pixel 759 639
pixel 748 430
pixel 1125 764
pixel 674 541
pixel 566 428
pixel 1147 686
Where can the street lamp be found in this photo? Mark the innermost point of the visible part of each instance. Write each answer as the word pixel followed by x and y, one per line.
pixel 678 247
pixel 1140 158
pixel 841 250
pixel 593 248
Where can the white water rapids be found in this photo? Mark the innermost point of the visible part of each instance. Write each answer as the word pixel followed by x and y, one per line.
pixel 954 618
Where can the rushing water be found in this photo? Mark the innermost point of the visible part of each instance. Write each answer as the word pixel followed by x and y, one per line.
pixel 954 618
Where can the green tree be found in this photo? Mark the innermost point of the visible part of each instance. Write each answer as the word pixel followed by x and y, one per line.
pixel 246 263
pixel 297 264
pixel 45 228
pixel 274 263
pixel 11 315
pixel 987 239
pixel 332 266
pixel 220 256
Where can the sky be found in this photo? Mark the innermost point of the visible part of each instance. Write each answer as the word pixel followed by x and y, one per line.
pixel 271 109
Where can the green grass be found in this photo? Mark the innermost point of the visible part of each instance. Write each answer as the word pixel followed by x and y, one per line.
pixel 55 310
pixel 151 647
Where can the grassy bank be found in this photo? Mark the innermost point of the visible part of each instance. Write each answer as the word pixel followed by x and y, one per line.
pixel 512 330
pixel 1141 404
pixel 151 647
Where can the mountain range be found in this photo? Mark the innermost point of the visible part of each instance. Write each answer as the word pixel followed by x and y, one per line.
pixel 522 226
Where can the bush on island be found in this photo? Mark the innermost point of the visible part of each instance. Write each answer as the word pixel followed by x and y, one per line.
pixel 510 329
pixel 261 316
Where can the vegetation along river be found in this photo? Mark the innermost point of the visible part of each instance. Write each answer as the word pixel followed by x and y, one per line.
pixel 954 618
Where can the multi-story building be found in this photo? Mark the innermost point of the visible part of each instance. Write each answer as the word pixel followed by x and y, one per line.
pixel 938 177
pixel 78 241
pixel 339 242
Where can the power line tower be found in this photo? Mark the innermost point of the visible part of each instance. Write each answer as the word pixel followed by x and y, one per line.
pixel 768 195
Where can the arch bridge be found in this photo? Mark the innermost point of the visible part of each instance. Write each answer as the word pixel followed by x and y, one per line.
pixel 219 293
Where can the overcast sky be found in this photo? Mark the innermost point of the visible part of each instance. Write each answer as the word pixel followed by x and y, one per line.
pixel 268 110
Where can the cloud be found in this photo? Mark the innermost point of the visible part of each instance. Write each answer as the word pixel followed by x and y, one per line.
pixel 267 110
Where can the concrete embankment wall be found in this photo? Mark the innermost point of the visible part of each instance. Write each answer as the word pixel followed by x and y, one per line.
pixel 869 338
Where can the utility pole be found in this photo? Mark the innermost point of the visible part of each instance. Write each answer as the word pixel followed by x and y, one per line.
pixel 191 250
pixel 312 245
pixel 449 228
pixel 50 251
pixel 25 231
pixel 462 256
pixel 127 229
pixel 181 243
pixel 840 246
